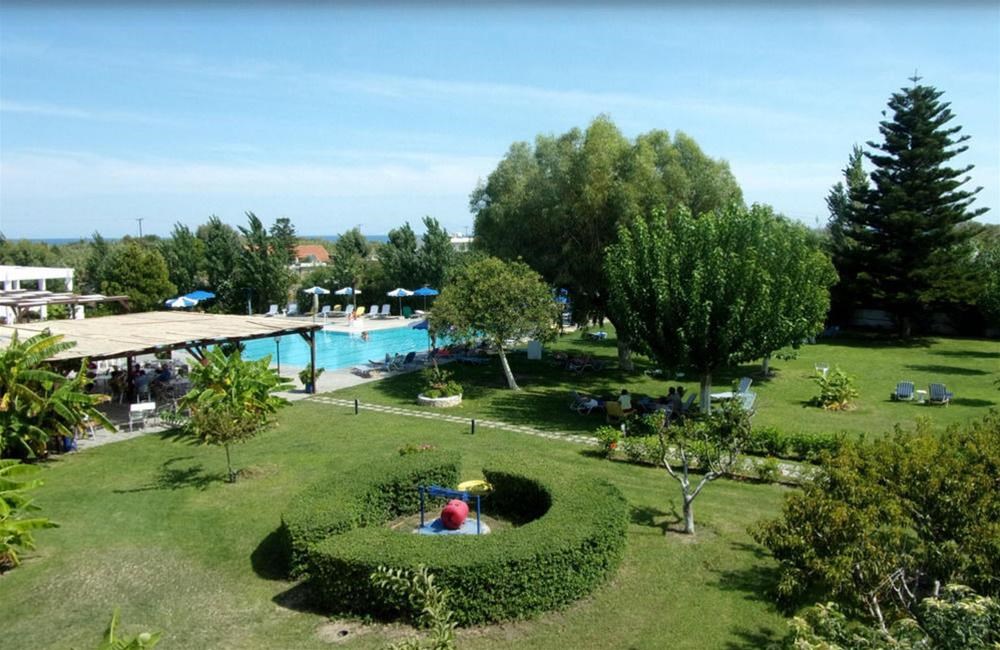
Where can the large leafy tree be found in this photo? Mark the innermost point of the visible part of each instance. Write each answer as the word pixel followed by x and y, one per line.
pixel 706 292
pixel 137 269
pixel 261 266
pixel 232 399
pixel 557 205
pixel 497 301
pixel 886 521
pixel 350 259
pixel 184 254
pixel 37 403
pixel 222 249
pixel 902 234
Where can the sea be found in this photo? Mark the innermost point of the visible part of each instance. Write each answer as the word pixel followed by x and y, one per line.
pixel 56 241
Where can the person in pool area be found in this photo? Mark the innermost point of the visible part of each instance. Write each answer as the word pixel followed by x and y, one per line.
pixel 365 336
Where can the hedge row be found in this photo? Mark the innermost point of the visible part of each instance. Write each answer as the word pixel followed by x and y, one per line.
pixel 369 494
pixel 574 537
pixel 769 441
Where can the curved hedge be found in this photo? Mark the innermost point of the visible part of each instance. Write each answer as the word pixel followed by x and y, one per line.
pixel 574 537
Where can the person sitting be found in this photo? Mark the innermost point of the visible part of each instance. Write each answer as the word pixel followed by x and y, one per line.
pixel 625 399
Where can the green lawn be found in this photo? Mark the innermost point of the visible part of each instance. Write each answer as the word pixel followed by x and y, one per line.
pixel 148 525
pixel 967 366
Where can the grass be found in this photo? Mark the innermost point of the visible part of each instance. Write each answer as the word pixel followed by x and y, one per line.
pixel 149 525
pixel 967 366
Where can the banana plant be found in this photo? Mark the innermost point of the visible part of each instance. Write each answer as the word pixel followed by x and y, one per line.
pixel 15 527
pixel 37 403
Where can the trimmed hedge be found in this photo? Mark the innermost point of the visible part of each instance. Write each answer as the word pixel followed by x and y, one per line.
pixel 574 537
pixel 369 495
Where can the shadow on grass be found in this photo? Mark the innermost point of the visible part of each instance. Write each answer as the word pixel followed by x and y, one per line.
pixel 971 401
pixel 299 599
pixel 876 340
pixel 762 637
pixel 946 370
pixel 967 354
pixel 176 474
pixel 758 582
pixel 646 516
pixel 270 560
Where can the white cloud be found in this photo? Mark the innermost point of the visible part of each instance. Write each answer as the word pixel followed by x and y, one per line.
pixel 44 175
pixel 43 109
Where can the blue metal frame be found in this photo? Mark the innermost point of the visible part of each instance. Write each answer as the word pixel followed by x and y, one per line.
pixel 438 491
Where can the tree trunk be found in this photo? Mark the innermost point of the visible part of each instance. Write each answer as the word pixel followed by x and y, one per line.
pixel 765 365
pixel 706 388
pixel 506 370
pixel 625 356
pixel 229 464
pixel 688 515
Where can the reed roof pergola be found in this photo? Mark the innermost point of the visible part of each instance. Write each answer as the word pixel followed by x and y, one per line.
pixel 130 335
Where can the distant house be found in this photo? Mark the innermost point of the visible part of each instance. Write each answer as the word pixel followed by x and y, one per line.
pixel 307 255
pixel 461 243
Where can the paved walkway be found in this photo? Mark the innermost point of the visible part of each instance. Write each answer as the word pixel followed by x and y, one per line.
pixel 465 421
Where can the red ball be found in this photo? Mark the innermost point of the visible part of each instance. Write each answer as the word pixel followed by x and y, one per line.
pixel 453 515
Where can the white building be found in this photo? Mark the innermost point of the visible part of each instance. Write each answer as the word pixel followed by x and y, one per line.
pixel 13 276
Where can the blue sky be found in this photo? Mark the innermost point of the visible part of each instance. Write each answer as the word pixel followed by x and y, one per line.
pixel 337 117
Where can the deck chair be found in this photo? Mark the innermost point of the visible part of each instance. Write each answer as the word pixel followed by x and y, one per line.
pixel 410 356
pixel 140 413
pixel 273 311
pixel 747 402
pixel 386 311
pixel 614 412
pixel 688 403
pixel 903 393
pixel 359 312
pixel 938 394
pixel 582 404
pixel 373 311
pixel 324 312
pixel 293 309
pixel 742 388
pixel 407 312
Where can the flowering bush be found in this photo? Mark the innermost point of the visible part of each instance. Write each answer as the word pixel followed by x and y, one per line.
pixel 608 438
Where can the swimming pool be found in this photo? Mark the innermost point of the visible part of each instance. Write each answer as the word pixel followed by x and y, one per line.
pixel 340 349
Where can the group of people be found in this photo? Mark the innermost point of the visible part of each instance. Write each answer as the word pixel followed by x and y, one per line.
pixel 672 403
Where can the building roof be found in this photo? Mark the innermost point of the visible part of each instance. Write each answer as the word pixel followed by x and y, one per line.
pixel 316 251
pixel 18 273
pixel 114 337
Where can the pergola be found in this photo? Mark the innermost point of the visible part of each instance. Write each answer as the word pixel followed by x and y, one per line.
pixel 131 335
pixel 19 301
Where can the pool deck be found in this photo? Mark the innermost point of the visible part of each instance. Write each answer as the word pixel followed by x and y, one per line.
pixel 362 324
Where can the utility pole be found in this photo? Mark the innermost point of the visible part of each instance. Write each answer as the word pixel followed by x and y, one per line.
pixel 140 220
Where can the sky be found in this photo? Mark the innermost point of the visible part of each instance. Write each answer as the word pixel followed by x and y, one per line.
pixel 371 115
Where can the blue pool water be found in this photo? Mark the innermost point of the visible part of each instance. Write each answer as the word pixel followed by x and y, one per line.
pixel 340 349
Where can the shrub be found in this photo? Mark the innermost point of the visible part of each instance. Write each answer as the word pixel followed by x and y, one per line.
pixel 305 375
pixel 769 441
pixel 575 537
pixel 767 470
pixel 359 499
pixel 836 391
pixel 438 383
pixel 641 449
pixel 607 438
pixel 410 448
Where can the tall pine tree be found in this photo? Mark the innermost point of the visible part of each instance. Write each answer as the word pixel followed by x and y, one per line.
pixel 843 229
pixel 903 229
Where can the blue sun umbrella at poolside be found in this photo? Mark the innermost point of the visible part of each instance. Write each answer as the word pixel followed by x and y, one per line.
pixel 425 291
pixel 200 295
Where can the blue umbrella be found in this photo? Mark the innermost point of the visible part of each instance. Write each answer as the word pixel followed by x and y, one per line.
pixel 425 291
pixel 422 325
pixel 200 295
